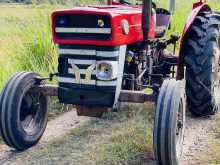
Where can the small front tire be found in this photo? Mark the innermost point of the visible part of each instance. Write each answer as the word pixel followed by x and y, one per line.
pixel 23 112
pixel 169 123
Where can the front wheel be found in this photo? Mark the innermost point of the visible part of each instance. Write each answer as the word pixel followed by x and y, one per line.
pixel 23 111
pixel 169 123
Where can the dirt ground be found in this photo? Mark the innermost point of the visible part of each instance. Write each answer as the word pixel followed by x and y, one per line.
pixel 196 139
pixel 55 130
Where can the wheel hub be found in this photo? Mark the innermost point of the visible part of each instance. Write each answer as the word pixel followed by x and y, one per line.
pixel 30 112
pixel 179 129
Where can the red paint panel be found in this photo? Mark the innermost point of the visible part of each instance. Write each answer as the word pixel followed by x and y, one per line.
pixel 117 13
pixel 197 4
pixel 191 18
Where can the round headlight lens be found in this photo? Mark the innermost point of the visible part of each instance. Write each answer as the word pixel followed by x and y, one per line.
pixel 104 71
pixel 125 26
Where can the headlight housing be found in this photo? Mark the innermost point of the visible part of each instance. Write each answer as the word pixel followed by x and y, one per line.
pixel 107 70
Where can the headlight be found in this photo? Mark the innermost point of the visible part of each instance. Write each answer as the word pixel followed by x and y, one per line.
pixel 125 26
pixel 62 21
pixel 107 70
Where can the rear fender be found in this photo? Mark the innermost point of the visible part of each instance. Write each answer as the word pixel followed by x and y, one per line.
pixel 197 8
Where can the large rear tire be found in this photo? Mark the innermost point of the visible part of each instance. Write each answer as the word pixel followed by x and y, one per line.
pixel 169 123
pixel 202 52
pixel 23 112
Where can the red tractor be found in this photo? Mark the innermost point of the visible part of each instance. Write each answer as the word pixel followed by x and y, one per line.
pixel 109 54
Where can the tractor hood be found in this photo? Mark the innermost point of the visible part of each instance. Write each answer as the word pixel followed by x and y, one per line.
pixel 98 25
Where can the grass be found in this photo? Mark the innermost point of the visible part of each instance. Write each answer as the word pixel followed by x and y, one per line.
pixel 25 36
pixel 55 108
pixel 36 50
pixel 27 43
pixel 125 138
pixel 116 139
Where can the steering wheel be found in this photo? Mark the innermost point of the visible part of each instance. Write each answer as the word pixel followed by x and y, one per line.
pixel 172 4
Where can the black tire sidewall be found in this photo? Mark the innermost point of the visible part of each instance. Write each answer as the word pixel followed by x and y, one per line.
pixel 199 49
pixel 165 125
pixel 19 137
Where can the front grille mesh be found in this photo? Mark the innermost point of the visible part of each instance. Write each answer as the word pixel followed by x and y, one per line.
pixel 83 27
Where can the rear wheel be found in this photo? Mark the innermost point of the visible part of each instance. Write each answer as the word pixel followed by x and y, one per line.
pixel 202 52
pixel 169 123
pixel 23 111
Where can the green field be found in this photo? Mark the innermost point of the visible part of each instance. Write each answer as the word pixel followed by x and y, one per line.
pixel 25 44
pixel 25 38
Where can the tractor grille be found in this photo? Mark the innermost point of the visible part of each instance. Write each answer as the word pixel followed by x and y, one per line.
pixel 83 27
pixel 77 61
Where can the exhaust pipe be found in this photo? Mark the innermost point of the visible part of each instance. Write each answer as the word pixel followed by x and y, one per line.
pixel 172 6
pixel 146 18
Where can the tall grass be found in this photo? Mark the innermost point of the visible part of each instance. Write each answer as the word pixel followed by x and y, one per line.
pixel 30 48
pixel 35 50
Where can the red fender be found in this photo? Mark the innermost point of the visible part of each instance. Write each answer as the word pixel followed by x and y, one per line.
pixel 197 8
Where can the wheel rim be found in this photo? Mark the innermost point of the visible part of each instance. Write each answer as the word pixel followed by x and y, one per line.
pixel 32 112
pixel 179 129
pixel 216 74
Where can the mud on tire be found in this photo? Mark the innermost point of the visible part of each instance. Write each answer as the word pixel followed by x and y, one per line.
pixel 202 50
pixel 23 113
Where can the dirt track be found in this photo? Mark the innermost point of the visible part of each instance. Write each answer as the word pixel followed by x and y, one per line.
pixel 55 129
pixel 196 138
pixel 197 135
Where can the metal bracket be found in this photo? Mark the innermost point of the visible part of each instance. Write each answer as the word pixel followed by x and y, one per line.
pixel 136 96
pixel 125 95
pixel 48 90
